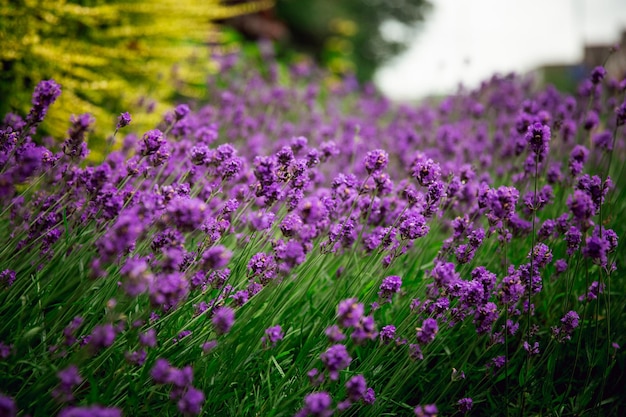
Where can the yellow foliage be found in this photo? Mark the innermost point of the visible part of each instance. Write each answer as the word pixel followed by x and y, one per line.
pixel 107 55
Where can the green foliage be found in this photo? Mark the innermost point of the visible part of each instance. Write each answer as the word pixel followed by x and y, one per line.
pixel 346 35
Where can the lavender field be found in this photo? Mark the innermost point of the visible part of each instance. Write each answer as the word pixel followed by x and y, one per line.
pixel 299 247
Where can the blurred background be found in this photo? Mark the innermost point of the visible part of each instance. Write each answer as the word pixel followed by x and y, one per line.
pixel 143 56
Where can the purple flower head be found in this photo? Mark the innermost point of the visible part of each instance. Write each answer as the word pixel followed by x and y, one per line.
pixel 541 255
pixel 366 330
pixel 356 388
pixel 102 336
pixel 603 140
pixel 620 114
pixel 190 403
pixel 91 411
pixel 273 335
pixel 46 93
pixel 349 313
pixel 465 405
pixel 161 371
pixel 597 74
pixel 168 290
pixel 151 142
pixel 538 137
pixel 429 410
pixel 428 331
pixel 335 359
pixel 569 323
pixel 413 227
pixel 334 334
pixel 123 120
pixel 485 316
pixel 223 319
pixel 388 333
pixel 216 257
pixel 75 146
pixel 187 214
pixel 591 120
pixel 181 111
pixel 581 205
pixel 376 160
pixel 370 396
pixel 390 286
pixel 7 406
pixel 7 278
pixel 317 405
pixel 501 203
pixel 425 171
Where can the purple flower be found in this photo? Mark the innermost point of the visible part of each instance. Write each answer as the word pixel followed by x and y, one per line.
pixel 7 406
pixel 91 411
pixel 190 403
pixel 388 333
pixel 369 397
pixel 597 74
pixel 365 330
pixel 429 410
pixel 187 214
pixel 349 313
pixel 428 331
pixel 148 338
pixel 335 359
pixel 168 290
pixel 541 255
pixel 569 323
pixel 538 137
pixel 620 114
pixel 216 257
pixel 376 160
pixel 334 334
pixel 223 319
pixel 485 316
pixel 46 93
pixel 123 120
pixel 102 336
pixel 151 142
pixel 390 285
pixel 413 227
pixel 273 335
pixel 317 405
pixel 181 111
pixel 465 405
pixel 426 171
pixel 7 278
pixel 356 388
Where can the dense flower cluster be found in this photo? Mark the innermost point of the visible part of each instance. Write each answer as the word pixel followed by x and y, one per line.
pixel 384 238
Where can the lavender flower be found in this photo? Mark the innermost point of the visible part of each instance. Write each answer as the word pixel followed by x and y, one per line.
pixel 45 94
pixel 91 411
pixel 428 331
pixel 335 359
pixel 223 319
pixel 376 160
pixel 465 405
pixel 349 313
pixel 273 335
pixel 123 120
pixel 429 410
pixel 190 403
pixel 7 278
pixel 390 286
pixel 317 405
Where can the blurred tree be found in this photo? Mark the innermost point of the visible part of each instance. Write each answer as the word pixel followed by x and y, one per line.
pixel 108 55
pixel 352 35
